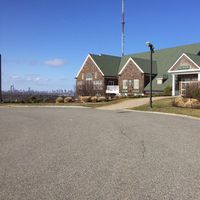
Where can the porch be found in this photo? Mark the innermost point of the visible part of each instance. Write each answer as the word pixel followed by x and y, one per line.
pixel 179 82
pixel 185 69
pixel 112 86
pixel 112 89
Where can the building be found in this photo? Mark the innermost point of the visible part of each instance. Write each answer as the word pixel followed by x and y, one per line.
pixel 129 75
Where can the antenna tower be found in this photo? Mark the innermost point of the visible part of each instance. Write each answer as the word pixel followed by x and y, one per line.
pixel 123 25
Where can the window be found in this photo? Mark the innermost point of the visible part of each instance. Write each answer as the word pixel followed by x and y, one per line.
pixel 79 84
pixel 111 83
pixel 159 81
pixel 95 75
pixel 130 83
pixel 136 84
pixel 125 84
pixel 98 85
pixel 89 77
pixel 82 76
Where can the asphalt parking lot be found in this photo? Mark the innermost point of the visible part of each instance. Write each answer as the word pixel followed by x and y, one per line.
pixel 71 153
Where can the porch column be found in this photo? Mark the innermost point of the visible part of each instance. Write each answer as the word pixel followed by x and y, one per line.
pixel 199 76
pixel 173 85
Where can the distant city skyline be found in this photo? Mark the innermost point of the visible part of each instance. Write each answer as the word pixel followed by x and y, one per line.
pixel 44 43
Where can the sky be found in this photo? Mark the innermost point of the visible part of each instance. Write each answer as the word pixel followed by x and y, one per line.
pixel 43 43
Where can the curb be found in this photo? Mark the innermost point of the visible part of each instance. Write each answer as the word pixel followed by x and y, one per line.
pixel 44 107
pixel 162 113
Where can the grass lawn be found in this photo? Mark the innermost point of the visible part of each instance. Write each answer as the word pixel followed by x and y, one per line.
pixel 165 105
pixel 88 104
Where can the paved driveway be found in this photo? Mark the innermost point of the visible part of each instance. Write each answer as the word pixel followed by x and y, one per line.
pixel 79 154
pixel 130 103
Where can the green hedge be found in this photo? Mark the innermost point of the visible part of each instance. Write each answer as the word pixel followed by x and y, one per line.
pixel 167 91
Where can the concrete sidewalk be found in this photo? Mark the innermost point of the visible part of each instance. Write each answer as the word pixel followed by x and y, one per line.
pixel 130 103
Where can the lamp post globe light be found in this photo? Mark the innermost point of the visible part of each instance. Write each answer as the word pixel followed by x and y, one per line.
pixel 151 47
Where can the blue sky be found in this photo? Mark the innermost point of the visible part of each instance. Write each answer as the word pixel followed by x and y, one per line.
pixel 44 42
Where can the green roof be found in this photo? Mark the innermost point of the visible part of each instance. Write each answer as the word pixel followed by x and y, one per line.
pixel 108 64
pixel 163 60
pixel 144 64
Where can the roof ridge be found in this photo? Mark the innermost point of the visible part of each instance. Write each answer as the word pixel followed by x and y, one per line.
pixel 140 58
pixel 104 55
pixel 192 54
pixel 163 49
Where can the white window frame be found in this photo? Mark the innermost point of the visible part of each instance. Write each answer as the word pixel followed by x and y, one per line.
pixel 159 81
pixel 136 84
pixel 98 85
pixel 125 84
pixel 95 75
pixel 130 83
pixel 90 78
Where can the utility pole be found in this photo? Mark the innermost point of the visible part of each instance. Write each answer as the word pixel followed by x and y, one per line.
pixel 123 25
pixel 1 99
pixel 151 47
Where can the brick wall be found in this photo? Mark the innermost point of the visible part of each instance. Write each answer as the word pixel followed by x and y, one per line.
pixel 131 72
pixel 84 87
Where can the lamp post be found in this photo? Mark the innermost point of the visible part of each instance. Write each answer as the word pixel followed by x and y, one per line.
pixel 151 47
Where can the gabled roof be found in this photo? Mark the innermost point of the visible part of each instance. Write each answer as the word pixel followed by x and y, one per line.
pixel 195 59
pixel 144 64
pixel 108 64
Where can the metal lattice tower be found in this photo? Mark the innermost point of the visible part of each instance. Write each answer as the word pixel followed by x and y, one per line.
pixel 123 27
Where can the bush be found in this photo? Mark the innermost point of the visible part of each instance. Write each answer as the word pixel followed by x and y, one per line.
pixel 101 99
pixel 85 99
pixel 32 99
pixel 68 99
pixel 167 91
pixel 186 102
pixel 94 99
pixel 60 100
pixel 193 90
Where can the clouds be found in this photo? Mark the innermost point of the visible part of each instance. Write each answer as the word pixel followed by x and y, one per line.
pixel 20 62
pixel 57 62
pixel 28 78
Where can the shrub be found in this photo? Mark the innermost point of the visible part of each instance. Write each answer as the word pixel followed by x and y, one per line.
pixel 33 99
pixel 186 102
pixel 94 99
pixel 167 91
pixel 60 100
pixel 193 90
pixel 68 99
pixel 101 99
pixel 85 99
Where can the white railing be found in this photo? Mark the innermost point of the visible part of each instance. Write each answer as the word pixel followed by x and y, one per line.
pixel 112 89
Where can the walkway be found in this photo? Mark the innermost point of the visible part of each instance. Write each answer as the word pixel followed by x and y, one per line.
pixel 130 103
